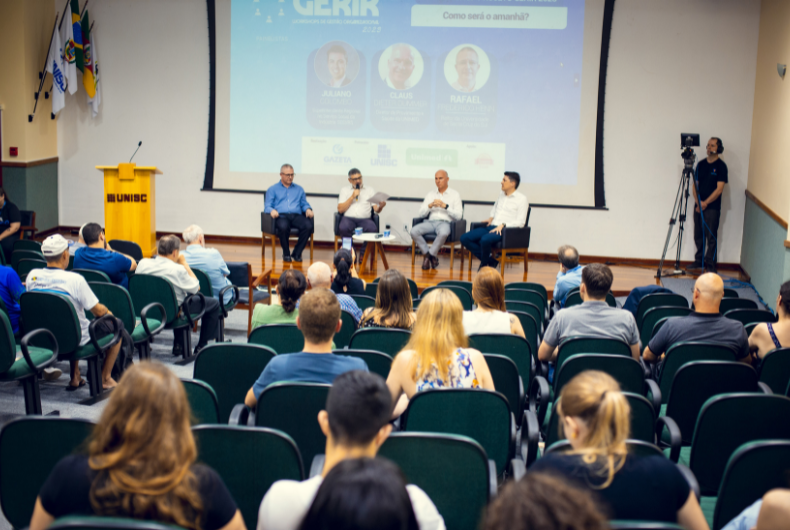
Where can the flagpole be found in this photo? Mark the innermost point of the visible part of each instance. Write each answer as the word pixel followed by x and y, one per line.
pixel 65 10
pixel 43 73
pixel 84 8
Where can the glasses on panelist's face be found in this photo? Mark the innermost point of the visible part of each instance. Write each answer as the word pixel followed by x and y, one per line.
pixel 287 175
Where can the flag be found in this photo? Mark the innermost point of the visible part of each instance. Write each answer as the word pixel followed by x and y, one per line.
pixel 69 53
pixel 55 67
pixel 76 34
pixel 95 101
pixel 87 57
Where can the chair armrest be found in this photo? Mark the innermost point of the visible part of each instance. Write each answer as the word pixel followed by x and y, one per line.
pixel 517 469
pixel 544 369
pixel 539 395
pixel 239 414
pixel 26 354
pixel 516 237
pixel 267 275
pixel 513 436
pixel 530 436
pixel 185 308
pixel 317 467
pixel 645 368
pixel 474 226
pixel 765 389
pixel 655 395
pixel 376 220
pixel 116 335
pixel 688 474
pixel 492 479
pixel 417 220
pixel 457 229
pixel 675 439
pixel 233 301
pixel 522 400
pixel 144 318
pixel 267 223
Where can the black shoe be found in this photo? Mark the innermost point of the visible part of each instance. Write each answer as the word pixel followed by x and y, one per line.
pixel 178 349
pixel 426 262
pixel 434 261
pixel 297 259
pixel 696 266
pixel 198 348
pixel 286 259
pixel 711 268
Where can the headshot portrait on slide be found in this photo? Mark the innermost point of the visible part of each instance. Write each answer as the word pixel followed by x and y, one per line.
pixel 336 64
pixel 467 68
pixel 401 66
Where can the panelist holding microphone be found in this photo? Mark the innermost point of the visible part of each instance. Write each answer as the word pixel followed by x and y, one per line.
pixel 287 204
pixel 353 203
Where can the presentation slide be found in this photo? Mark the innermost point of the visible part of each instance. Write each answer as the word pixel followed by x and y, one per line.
pixel 402 88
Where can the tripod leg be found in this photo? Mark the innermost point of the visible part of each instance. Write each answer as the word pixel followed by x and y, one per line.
pixel 672 221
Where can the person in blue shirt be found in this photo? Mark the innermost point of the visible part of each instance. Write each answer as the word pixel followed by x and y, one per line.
pixel 287 204
pixel 208 260
pixel 98 256
pixel 570 274
pixel 318 320
pixel 11 289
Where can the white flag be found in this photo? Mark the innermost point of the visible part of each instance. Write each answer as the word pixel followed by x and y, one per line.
pixel 96 100
pixel 69 55
pixel 55 67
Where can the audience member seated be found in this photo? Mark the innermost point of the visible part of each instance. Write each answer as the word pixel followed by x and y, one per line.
pixel 437 355
pixel 356 423
pixel 172 265
pixel 290 287
pixel 770 336
pixel 362 494
pixel 319 320
pixel 208 260
pixel 10 221
pixel 346 280
pixel 488 292
pixel 705 324
pixel 593 318
pixel 11 289
pixel 570 274
pixel 80 243
pixel 771 512
pixel 543 502
pixel 594 415
pixel 394 306
pixel 55 278
pixel 319 276
pixel 96 255
pixel 140 463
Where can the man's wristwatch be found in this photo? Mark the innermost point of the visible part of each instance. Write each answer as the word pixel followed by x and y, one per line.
pixel 446 206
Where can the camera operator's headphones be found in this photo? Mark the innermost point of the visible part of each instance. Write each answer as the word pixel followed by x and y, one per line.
pixel 719 146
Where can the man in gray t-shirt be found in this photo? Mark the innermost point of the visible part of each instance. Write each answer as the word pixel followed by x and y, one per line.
pixel 594 318
pixel 704 325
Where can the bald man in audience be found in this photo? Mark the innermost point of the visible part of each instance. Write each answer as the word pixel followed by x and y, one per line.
pixel 319 276
pixel 705 324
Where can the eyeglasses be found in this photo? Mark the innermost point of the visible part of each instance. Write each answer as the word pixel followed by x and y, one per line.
pixel 354 179
pixel 289 175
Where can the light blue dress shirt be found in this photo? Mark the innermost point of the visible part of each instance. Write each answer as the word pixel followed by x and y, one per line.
pixel 565 282
pixel 210 261
pixel 286 200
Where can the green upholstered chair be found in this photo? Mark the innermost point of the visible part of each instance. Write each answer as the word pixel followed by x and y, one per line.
pixel 378 362
pixel 92 522
pixel 19 255
pixel 512 346
pixel 508 382
pixel 208 292
pixel 93 276
pixel 415 292
pixel 54 312
pixel 364 301
pixel 26 265
pixel 653 315
pixel 282 338
pixel 729 304
pixel 775 370
pixel 458 283
pixel 634 446
pixel 747 316
pixel 575 298
pixel 343 337
pixel 142 330
pixel 531 328
pixel 685 352
pixel 575 345
pixel 731 293
pixel 527 295
pixel 658 300
pixel 623 524
pixel 27 244
pixel 531 286
pixel 202 400
pixel 29 449
pixel 529 308
pixel 389 341
pixel 231 370
pixel 431 462
pixel 463 295
pixel 249 460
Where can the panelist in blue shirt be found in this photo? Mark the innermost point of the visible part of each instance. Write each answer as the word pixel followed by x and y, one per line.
pixel 570 274
pixel 287 204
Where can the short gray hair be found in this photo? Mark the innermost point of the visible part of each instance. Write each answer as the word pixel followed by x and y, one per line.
pixel 285 166
pixel 569 261
pixel 167 245
pixel 191 234
pixel 319 274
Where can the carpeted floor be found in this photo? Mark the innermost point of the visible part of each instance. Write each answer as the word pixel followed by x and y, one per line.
pixel 685 287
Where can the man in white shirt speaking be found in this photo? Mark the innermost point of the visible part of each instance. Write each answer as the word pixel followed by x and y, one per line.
pixel 441 207
pixel 509 211
pixel 353 203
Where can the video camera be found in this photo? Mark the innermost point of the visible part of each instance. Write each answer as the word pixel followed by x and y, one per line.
pixel 687 141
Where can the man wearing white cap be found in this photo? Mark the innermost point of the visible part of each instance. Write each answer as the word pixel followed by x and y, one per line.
pixel 56 278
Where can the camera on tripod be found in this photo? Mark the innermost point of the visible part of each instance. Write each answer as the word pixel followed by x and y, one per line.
pixel 687 141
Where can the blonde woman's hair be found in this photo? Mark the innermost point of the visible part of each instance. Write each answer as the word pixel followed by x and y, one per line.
pixel 438 331
pixel 595 398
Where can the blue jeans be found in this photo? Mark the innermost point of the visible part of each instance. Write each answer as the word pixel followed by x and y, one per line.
pixel 479 241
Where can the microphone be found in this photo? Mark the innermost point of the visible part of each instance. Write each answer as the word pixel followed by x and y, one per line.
pixel 135 151
pixel 357 197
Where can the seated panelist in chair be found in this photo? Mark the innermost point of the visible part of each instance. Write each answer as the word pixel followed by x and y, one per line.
pixel 287 204
pixel 441 207
pixel 208 260
pixel 97 255
pixel 509 211
pixel 353 203
pixel 55 278
pixel 172 265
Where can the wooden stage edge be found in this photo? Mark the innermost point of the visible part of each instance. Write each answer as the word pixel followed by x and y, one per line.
pixel 542 267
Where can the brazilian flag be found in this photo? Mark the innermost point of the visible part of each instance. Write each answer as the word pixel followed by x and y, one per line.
pixel 87 57
pixel 75 23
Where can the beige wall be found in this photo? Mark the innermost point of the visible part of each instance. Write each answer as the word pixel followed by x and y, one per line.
pixel 769 174
pixel 25 30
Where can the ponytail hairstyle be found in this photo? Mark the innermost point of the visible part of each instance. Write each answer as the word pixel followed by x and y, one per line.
pixel 595 398
pixel 290 288
pixel 343 266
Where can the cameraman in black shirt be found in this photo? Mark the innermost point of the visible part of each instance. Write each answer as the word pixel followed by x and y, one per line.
pixel 10 221
pixel 711 176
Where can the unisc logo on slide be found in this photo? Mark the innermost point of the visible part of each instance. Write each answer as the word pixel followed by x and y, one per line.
pixel 127 197
pixel 349 8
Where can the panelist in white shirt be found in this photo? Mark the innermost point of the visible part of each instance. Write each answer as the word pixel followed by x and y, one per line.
pixel 509 211
pixel 441 207
pixel 353 203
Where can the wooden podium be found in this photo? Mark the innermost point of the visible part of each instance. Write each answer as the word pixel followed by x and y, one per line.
pixel 130 204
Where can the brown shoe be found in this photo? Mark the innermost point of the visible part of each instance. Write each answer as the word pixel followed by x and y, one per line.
pixel 434 261
pixel 426 262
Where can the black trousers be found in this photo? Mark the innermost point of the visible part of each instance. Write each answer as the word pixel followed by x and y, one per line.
pixel 711 233
pixel 283 225
pixel 209 324
pixel 7 245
